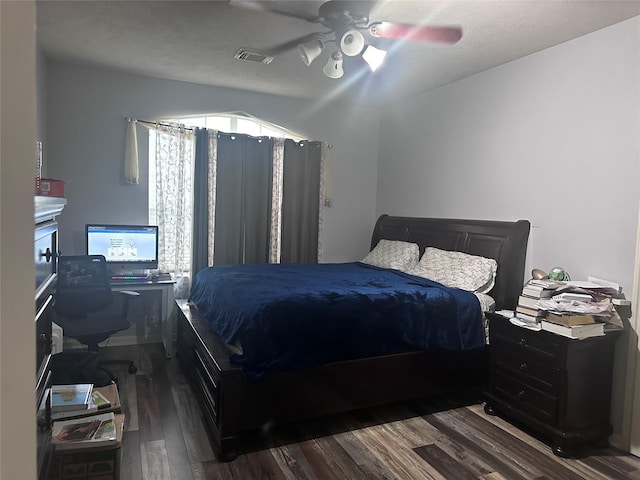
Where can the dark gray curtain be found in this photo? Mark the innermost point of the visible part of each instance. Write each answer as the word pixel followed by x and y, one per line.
pixel 243 199
pixel 300 201
pixel 200 211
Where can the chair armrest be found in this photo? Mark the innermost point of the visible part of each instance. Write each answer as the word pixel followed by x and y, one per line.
pixel 129 293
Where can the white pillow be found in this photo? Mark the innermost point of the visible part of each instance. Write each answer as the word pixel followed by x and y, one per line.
pixel 393 254
pixel 457 269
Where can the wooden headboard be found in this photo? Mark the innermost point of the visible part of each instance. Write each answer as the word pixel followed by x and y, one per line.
pixel 506 242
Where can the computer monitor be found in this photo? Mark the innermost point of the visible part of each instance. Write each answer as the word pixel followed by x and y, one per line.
pixel 127 248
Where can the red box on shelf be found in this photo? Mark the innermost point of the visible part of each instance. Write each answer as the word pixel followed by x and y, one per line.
pixel 50 188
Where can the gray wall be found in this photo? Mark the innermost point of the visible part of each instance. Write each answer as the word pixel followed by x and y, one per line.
pixel 17 328
pixel 86 110
pixel 552 138
pixel 41 102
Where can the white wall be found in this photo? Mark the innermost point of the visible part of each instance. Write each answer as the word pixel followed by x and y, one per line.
pixel 553 138
pixel 17 161
pixel 41 102
pixel 86 113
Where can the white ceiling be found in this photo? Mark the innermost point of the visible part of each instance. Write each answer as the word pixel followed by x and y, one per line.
pixel 195 41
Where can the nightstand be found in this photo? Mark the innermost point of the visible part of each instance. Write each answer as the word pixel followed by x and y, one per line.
pixel 556 386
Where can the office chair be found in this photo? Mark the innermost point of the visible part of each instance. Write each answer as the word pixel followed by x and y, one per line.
pixel 83 303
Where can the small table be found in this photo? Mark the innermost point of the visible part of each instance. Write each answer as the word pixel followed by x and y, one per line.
pixel 88 463
pixel 557 386
pixel 99 463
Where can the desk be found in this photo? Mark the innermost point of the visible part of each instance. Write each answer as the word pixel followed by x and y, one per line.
pixel 166 306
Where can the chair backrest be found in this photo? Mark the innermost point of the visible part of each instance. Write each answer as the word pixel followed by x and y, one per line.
pixel 82 285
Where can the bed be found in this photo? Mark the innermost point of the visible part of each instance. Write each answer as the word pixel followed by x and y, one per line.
pixel 241 393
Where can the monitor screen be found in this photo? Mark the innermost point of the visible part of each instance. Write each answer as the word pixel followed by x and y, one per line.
pixel 127 248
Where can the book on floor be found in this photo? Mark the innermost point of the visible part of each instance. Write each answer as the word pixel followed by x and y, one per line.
pixel 70 397
pixel 576 332
pixel 86 432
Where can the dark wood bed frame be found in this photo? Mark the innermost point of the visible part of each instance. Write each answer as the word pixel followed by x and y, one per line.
pixel 233 406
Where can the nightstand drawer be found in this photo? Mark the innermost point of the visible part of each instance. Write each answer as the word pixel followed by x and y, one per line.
pixel 526 369
pixel 540 345
pixel 525 397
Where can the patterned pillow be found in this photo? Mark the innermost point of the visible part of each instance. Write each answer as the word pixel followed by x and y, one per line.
pixel 457 269
pixel 393 254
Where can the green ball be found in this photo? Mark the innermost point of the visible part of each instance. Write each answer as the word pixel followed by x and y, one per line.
pixel 559 274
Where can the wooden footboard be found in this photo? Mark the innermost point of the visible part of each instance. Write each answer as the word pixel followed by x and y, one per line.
pixel 216 382
pixel 234 405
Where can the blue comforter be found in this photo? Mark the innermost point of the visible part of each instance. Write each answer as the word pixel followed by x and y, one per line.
pixel 292 316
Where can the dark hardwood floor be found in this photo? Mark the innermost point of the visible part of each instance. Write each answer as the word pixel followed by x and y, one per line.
pixel 165 438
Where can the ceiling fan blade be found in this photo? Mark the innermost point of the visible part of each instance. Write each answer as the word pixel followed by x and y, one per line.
pixel 265 7
pixel 421 33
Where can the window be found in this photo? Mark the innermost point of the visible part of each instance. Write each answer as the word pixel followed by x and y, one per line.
pixel 288 186
pixel 230 123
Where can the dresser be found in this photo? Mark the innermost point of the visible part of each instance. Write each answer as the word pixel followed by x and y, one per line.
pixel 45 254
pixel 558 387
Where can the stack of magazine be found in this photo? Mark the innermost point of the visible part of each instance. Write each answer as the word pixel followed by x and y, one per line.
pixel 574 309
pixel 581 309
pixel 92 431
pixel 85 417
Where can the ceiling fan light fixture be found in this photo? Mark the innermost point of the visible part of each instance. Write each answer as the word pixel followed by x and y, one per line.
pixel 310 50
pixel 333 67
pixel 352 43
pixel 374 57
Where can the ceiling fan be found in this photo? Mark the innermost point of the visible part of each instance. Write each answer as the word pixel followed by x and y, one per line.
pixel 348 26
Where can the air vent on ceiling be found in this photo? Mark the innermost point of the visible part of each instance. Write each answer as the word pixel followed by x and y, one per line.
pixel 252 56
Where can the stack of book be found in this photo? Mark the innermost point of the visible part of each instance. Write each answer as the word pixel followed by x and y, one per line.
pixel 534 290
pixel 85 417
pixel 70 398
pixel 573 325
pixel 79 400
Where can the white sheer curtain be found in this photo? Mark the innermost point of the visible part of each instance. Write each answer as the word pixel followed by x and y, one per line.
pixel 276 201
pixel 211 181
pixel 325 193
pixel 175 150
pixel 131 172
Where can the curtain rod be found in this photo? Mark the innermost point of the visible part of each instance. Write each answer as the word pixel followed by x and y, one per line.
pixel 148 122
